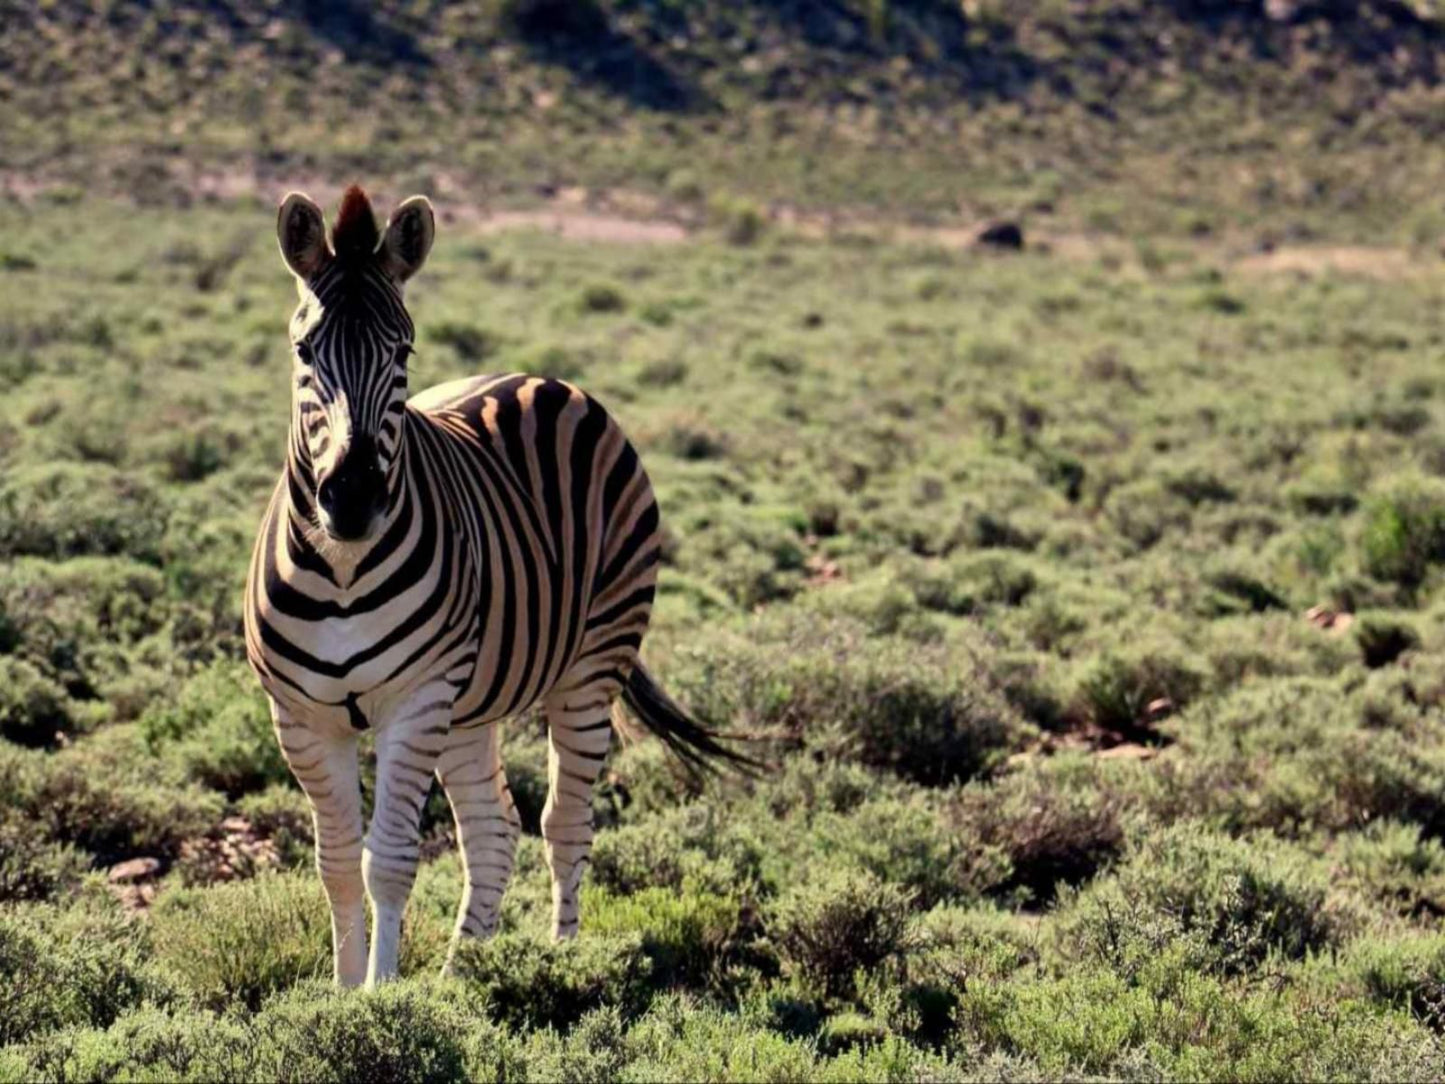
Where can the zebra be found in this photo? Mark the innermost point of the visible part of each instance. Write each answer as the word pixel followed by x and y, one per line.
pixel 428 567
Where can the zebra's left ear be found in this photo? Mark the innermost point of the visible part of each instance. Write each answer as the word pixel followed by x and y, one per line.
pixel 409 234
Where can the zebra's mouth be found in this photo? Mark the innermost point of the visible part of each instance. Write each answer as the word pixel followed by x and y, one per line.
pixel 348 527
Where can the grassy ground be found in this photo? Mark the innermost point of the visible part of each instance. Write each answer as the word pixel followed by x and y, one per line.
pixel 1089 600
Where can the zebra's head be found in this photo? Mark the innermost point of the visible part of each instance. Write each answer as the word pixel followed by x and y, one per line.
pixel 351 336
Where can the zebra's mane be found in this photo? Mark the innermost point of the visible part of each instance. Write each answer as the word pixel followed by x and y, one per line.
pixel 355 236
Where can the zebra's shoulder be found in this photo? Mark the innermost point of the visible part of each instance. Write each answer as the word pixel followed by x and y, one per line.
pixel 453 393
pixel 523 391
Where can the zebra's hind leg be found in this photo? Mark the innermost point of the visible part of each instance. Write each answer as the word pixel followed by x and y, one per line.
pixel 326 767
pixel 579 730
pixel 488 827
pixel 408 749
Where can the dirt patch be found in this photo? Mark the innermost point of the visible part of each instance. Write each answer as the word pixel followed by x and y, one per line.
pixel 1360 260
pixel 585 225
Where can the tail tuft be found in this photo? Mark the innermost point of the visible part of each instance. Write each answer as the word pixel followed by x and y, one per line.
pixel 701 750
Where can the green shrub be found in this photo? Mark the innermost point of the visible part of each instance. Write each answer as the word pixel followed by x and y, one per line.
pixel 398 1032
pixel 601 297
pixel 1116 689
pixel 471 343
pixel 909 843
pixel 1295 755
pixel 106 796
pixel 79 967
pixel 535 984
pixel 33 709
pixel 66 510
pixel 677 1040
pixel 1054 823
pixel 1403 530
pixel 1226 903
pixel 245 940
pixel 32 867
pixel 694 844
pixel 218 730
pixel 1407 974
pixel 73 631
pixel 149 1044
pixel 1395 863
pixel 686 936
pixel 826 930
pixel 849 1031
pixel 918 710
pixel 1093 1022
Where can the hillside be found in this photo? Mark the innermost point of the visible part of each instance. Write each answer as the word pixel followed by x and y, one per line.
pixel 1124 116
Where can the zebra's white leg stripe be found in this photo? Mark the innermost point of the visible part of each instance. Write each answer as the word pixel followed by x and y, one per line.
pixel 407 752
pixel 579 730
pixel 487 826
pixel 326 768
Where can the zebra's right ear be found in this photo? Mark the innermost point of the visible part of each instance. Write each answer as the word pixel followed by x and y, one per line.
pixel 301 230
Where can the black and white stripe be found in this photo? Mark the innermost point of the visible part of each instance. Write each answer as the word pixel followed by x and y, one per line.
pixel 427 568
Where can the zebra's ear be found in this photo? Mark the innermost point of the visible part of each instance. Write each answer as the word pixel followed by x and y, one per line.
pixel 409 234
pixel 301 230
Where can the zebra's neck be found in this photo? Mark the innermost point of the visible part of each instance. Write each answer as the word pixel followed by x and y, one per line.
pixel 311 547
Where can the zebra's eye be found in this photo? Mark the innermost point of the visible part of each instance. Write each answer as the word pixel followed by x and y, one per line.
pixel 404 351
pixel 303 351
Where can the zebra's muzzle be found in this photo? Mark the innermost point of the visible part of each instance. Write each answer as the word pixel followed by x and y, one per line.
pixel 352 496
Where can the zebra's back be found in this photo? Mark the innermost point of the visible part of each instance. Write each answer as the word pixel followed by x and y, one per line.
pixel 563 527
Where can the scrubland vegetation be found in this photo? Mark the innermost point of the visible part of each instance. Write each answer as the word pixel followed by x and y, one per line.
pixel 1088 602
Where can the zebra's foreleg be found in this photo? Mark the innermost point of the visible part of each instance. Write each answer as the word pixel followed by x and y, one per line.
pixel 407 751
pixel 579 729
pixel 326 767
pixel 487 826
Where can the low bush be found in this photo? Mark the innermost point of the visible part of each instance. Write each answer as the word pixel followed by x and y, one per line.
pixel 71 509
pixel 927 713
pixel 1092 1022
pixel 1225 904
pixel 1116 689
pixel 687 936
pixel 1051 824
pixel 217 729
pixel 1402 530
pixel 244 941
pixel 1406 974
pixel 77 967
pixel 31 866
pixel 1396 864
pixel 1295 754
pixel 828 929
pixel 105 796
pixel 532 983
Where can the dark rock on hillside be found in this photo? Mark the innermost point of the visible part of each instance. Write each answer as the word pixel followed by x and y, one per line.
pixel 1003 234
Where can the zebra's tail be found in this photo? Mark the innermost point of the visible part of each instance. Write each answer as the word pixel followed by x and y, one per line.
pixel 701 750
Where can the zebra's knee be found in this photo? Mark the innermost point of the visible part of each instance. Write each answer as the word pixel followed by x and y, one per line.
pixel 388 880
pixel 344 886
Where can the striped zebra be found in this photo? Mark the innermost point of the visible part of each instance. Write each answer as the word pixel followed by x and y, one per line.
pixel 429 567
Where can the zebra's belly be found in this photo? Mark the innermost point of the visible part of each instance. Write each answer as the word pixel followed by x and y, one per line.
pixel 374 663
